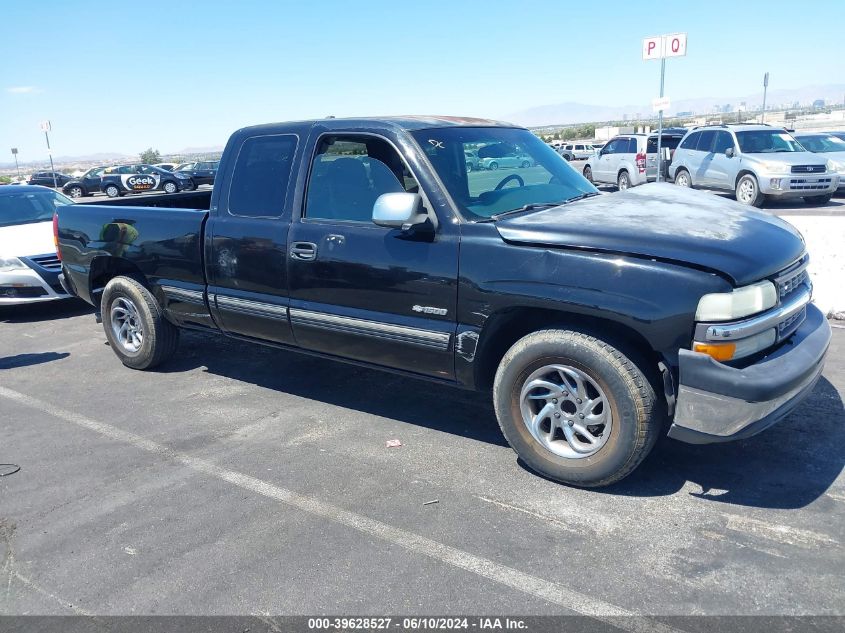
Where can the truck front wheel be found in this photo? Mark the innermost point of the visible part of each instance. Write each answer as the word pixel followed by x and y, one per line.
pixel 135 325
pixel 575 408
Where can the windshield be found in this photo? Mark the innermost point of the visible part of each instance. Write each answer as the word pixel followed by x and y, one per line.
pixel 514 169
pixel 820 143
pixel 767 142
pixel 26 207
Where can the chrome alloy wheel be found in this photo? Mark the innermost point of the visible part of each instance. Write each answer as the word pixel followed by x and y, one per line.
pixel 747 191
pixel 126 325
pixel 566 411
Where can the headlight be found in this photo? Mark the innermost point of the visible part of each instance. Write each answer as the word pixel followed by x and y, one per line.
pixel 182 176
pixel 727 306
pixel 776 167
pixel 836 165
pixel 8 264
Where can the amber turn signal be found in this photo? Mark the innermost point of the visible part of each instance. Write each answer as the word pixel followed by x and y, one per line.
pixel 718 351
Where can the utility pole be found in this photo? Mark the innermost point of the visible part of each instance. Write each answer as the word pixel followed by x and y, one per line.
pixel 46 127
pixel 660 122
pixel 17 167
pixel 765 90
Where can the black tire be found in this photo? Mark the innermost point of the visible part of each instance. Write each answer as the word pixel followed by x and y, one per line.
pixel 568 157
pixel 170 187
pixel 637 414
pixel 469 167
pixel 75 192
pixel 753 197
pixel 818 200
pixel 682 178
pixel 623 180
pixel 160 336
pixel 493 166
pixel 525 164
pixel 588 173
pixel 111 191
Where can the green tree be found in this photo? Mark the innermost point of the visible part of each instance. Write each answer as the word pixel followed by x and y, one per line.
pixel 150 156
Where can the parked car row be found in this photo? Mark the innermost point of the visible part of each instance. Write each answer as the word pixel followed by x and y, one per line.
pixel 122 179
pixel 516 160
pixel 754 161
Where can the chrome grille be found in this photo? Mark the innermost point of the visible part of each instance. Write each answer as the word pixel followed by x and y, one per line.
pixel 787 326
pixel 808 169
pixel 788 285
pixel 50 262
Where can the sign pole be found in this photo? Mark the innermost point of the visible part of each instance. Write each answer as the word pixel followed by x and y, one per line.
pixel 50 152
pixel 765 89
pixel 660 121
pixel 17 167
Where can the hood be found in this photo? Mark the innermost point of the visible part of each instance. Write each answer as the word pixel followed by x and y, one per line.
pixel 26 240
pixel 666 222
pixel 787 158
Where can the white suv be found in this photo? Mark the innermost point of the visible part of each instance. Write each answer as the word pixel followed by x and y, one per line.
pixel 576 151
pixel 754 161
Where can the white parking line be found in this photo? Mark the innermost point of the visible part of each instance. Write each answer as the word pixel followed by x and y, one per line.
pixel 507 576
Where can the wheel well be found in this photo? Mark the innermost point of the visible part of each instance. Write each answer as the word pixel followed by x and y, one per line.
pixel 104 269
pixel 504 329
pixel 744 172
pixel 620 172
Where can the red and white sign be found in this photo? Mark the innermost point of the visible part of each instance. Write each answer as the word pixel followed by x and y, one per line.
pixel 660 46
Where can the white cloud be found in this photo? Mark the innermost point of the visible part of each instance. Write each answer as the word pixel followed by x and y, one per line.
pixel 22 90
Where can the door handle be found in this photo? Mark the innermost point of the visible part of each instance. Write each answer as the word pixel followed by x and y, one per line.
pixel 303 251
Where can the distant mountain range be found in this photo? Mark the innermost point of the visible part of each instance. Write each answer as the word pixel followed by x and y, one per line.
pixel 570 112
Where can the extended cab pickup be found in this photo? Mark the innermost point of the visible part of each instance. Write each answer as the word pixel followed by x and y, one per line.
pixel 593 319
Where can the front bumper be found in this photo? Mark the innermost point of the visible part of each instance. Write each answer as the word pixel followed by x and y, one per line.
pixel 798 185
pixel 719 403
pixel 23 286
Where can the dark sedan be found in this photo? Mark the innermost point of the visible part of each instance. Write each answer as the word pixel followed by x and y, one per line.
pixel 85 185
pixel 202 172
pixel 48 179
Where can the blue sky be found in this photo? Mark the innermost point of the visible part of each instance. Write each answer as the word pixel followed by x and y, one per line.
pixel 121 76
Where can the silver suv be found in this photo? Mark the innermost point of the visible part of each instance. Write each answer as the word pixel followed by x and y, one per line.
pixel 630 159
pixel 754 161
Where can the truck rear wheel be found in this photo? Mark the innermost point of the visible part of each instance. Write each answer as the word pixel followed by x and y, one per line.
pixel 135 324
pixel 575 408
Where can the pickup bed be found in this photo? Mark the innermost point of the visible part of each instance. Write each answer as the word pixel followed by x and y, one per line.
pixel 596 321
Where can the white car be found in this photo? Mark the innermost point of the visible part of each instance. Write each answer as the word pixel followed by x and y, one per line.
pixel 29 267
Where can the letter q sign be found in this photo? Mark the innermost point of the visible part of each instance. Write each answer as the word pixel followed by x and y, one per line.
pixel 659 46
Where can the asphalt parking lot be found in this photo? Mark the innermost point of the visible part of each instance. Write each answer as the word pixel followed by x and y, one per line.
pixel 241 479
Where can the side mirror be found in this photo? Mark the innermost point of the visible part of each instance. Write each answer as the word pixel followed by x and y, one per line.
pixel 399 211
pixel 729 152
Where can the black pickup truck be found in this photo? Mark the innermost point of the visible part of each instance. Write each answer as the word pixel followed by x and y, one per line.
pixel 594 320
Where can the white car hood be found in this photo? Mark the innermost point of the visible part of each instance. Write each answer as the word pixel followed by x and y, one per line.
pixel 26 240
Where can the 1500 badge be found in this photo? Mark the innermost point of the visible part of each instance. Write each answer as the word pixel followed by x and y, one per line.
pixel 430 310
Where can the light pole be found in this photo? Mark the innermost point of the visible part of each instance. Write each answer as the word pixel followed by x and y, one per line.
pixel 46 127
pixel 765 89
pixel 17 167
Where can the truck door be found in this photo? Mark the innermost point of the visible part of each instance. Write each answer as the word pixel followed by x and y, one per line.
pixel 363 291
pixel 246 239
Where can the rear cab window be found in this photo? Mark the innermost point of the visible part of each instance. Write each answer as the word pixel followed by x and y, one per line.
pixel 261 176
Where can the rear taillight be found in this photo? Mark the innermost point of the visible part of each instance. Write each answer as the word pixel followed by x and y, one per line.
pixel 641 162
pixel 56 235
